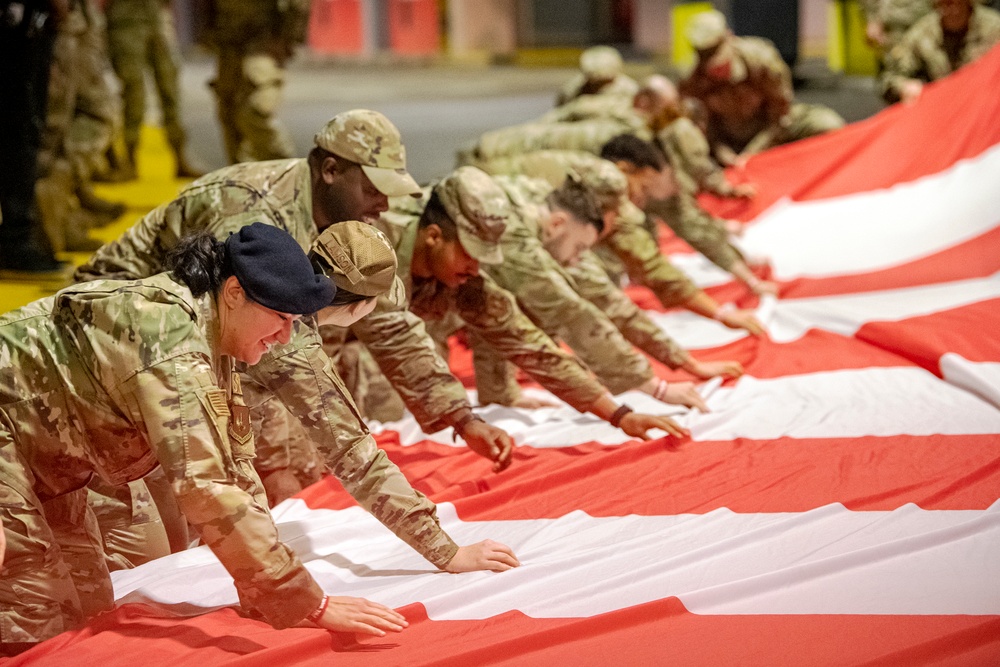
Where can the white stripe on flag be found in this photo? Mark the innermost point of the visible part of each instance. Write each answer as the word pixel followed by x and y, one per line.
pixel 830 404
pixel 826 561
pixel 982 378
pixel 789 319
pixel 879 229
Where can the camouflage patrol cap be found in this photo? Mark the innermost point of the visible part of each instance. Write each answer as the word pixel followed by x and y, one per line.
pixel 370 139
pixel 707 29
pixel 479 209
pixel 601 62
pixel 359 259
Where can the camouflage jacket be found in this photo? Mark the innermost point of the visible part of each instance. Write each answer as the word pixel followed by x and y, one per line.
pixel 645 264
pixel 278 193
pixel 688 152
pixel 698 228
pixel 490 312
pixel 253 25
pixel 587 134
pixel 622 86
pixel 740 110
pixel 547 293
pixel 896 16
pixel 588 107
pixel 921 54
pixel 592 283
pixel 111 378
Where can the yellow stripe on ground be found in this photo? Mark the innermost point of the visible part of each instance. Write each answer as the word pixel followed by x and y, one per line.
pixel 156 184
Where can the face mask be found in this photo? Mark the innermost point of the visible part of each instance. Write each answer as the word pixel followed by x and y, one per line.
pixel 345 316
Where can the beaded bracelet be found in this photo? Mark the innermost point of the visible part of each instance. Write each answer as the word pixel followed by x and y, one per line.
pixel 318 612
pixel 723 310
pixel 660 392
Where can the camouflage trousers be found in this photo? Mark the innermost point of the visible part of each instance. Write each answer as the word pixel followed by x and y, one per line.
pixel 372 392
pixel 130 524
pixel 54 573
pixel 248 92
pixel 134 46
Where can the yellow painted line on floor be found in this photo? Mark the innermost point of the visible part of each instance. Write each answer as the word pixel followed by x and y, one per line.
pixel 154 186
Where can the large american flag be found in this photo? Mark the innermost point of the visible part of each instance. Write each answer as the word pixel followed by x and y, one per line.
pixel 838 506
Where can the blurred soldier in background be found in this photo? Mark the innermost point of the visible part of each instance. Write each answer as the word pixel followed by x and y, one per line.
pixel 141 35
pixel 956 33
pixel 886 21
pixel 27 35
pixel 747 90
pixel 600 74
pixel 254 39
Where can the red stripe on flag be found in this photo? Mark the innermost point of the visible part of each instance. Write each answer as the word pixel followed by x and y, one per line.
pixel 969 331
pixel 656 633
pixel 954 120
pixel 746 476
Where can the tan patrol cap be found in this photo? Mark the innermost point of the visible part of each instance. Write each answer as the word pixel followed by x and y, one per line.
pixel 707 29
pixel 601 62
pixel 370 139
pixel 359 258
pixel 479 208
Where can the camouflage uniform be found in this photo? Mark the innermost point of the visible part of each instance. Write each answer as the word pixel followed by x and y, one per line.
pixel 688 152
pixel 753 108
pixel 589 134
pixel 78 127
pixel 141 33
pixel 254 39
pixel 112 378
pixel 488 312
pixel 896 17
pixel 130 524
pixel 630 247
pixel 279 193
pixel 600 74
pixel 922 54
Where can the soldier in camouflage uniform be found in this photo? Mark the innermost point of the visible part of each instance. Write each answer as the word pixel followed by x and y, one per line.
pixel 886 21
pixel 956 33
pixel 254 40
pixel 359 161
pixel 141 34
pixel 747 91
pixel 629 247
pixel 548 230
pixel 613 189
pixel 112 378
pixel 78 127
pixel 600 74
pixel 441 240
pixel 641 162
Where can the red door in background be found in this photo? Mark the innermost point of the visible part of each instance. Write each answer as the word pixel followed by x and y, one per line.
pixel 335 27
pixel 414 27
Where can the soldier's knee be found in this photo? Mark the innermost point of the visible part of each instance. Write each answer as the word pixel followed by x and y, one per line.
pixel 37 597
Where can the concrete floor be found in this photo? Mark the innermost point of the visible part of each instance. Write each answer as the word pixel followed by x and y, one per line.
pixel 439 108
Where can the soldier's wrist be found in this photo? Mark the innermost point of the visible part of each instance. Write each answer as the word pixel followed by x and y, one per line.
pixel 462 424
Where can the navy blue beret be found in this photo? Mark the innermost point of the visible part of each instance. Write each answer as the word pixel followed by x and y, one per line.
pixel 275 272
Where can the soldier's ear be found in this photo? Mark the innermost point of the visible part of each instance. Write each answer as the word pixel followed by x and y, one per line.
pixel 329 169
pixel 232 293
pixel 433 234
